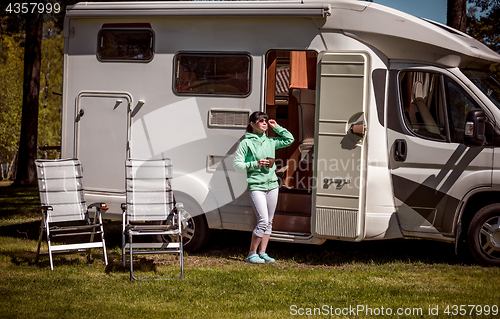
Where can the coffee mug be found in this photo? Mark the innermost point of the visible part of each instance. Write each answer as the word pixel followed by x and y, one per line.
pixel 271 161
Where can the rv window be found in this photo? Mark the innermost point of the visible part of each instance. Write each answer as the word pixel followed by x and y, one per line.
pixel 125 45
pixel 212 74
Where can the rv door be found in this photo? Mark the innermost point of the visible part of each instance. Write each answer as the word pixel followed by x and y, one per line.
pixel 101 139
pixel 338 198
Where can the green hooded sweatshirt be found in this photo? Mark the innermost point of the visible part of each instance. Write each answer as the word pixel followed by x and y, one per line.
pixel 255 147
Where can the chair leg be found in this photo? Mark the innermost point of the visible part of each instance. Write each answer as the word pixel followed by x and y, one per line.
pixel 103 241
pixel 123 239
pixel 132 278
pixel 182 264
pixel 181 255
pixel 50 250
pixel 104 247
pixel 39 242
pixel 89 251
pixel 123 249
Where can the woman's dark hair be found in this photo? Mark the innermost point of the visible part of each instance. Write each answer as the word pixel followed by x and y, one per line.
pixel 254 117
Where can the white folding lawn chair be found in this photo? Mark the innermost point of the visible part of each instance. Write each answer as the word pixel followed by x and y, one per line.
pixel 150 211
pixel 65 211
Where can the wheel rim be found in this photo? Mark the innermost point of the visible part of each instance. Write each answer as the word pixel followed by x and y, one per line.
pixel 489 237
pixel 188 229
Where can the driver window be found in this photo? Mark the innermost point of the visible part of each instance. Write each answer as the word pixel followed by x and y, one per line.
pixel 431 111
pixel 423 104
pixel 459 104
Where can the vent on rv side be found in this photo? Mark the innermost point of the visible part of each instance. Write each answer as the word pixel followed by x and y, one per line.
pixel 220 162
pixel 229 118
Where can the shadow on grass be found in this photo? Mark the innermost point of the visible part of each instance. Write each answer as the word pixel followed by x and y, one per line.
pixel 28 258
pixel 19 201
pixel 31 231
pixel 140 265
pixel 16 201
pixel 229 244
pixel 235 245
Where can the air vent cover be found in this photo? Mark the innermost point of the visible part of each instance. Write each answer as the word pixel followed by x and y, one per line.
pixel 336 222
pixel 229 118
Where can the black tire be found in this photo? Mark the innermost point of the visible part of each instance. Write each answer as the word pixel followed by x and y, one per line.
pixel 483 235
pixel 200 235
pixel 196 233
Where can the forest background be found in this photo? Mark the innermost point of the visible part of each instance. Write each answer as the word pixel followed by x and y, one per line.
pixel 478 18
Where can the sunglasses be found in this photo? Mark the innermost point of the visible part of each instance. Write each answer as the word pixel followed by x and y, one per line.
pixel 262 120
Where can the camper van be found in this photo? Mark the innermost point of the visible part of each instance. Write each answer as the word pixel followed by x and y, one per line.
pixel 395 118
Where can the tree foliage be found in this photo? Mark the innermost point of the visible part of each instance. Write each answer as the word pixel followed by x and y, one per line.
pixel 47 119
pixel 485 27
pixel 11 95
pixel 483 24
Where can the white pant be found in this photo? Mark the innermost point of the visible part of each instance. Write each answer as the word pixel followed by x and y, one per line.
pixel 264 205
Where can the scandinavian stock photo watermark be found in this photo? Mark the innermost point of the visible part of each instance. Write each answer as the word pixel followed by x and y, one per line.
pixel 328 172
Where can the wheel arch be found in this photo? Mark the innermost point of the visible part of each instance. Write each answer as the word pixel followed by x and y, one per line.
pixel 473 202
pixel 190 189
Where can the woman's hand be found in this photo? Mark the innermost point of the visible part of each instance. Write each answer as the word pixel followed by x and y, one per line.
pixel 272 123
pixel 263 162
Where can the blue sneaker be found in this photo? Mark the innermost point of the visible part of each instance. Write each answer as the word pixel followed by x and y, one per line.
pixel 255 259
pixel 267 259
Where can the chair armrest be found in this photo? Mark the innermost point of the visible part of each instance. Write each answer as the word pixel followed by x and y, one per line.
pixel 99 206
pixel 181 218
pixel 45 209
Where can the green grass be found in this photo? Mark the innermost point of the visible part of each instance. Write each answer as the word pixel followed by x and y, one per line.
pixel 18 204
pixel 411 274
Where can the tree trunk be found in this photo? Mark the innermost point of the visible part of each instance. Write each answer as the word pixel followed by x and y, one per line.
pixel 26 172
pixel 457 14
pixel 10 167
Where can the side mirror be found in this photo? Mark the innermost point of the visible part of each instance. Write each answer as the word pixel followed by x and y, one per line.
pixel 474 128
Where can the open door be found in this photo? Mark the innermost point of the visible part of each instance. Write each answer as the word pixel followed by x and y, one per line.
pixel 102 139
pixel 340 157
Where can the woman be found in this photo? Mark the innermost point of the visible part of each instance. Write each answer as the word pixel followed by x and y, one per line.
pixel 253 157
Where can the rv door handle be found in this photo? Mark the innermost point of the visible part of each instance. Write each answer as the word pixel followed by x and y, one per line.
pixel 400 150
pixel 79 116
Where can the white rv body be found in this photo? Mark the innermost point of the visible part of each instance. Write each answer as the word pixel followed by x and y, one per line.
pixel 342 185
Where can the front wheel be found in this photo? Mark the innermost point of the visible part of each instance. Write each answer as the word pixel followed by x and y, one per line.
pixel 484 235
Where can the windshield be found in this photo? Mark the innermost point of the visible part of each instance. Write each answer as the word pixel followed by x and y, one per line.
pixel 487 83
